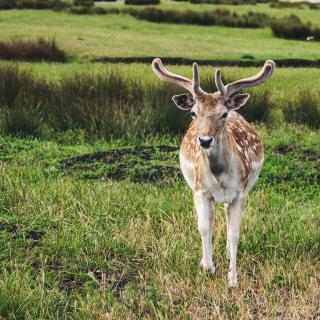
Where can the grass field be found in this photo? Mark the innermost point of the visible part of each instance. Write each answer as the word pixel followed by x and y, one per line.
pixel 124 36
pixel 81 243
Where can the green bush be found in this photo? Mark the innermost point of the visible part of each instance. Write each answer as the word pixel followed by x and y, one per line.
pixel 30 50
pixel 297 5
pixel 216 17
pixel 8 4
pixel 93 10
pixel 232 2
pixel 85 3
pixel 292 27
pixel 32 4
pixel 142 2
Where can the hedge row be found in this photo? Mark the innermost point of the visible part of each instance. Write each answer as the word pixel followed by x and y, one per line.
pixel 29 50
pixel 291 27
pixel 32 4
pixel 60 4
pixel 221 17
pixel 232 2
pixel 297 5
pixel 142 2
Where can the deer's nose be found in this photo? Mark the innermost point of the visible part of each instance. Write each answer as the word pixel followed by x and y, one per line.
pixel 205 142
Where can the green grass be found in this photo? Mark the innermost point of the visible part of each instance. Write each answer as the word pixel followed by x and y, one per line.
pixel 124 36
pixel 79 247
pixel 281 83
pixel 107 101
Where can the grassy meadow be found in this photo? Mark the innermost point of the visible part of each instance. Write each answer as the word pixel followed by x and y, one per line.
pixel 83 242
pixel 121 35
pixel 96 221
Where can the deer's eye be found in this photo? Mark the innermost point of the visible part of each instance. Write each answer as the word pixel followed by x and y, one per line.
pixel 224 115
pixel 193 114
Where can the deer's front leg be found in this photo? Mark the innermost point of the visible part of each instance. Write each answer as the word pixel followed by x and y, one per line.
pixel 234 211
pixel 205 214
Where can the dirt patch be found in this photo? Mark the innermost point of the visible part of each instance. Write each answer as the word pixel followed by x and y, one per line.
pixel 156 173
pixel 112 156
pixel 303 153
pixel 106 279
pixel 137 164
pixel 70 283
pixel 17 229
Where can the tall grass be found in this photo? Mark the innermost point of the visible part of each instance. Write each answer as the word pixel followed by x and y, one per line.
pixel 32 50
pixel 116 104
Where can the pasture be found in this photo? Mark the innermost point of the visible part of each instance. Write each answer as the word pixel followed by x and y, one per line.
pixel 96 221
pixel 122 35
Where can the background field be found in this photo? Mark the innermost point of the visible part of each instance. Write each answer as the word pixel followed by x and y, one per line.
pixel 96 221
pixel 87 36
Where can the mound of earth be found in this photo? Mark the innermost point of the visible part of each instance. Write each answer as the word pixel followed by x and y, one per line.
pixel 137 164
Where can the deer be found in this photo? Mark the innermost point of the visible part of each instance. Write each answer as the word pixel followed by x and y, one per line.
pixel 221 154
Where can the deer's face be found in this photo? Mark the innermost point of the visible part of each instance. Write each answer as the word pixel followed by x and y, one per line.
pixel 209 113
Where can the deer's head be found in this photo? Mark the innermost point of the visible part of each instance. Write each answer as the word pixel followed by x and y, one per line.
pixel 210 110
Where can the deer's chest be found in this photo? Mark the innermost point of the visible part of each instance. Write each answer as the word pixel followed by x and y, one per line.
pixel 217 182
pixel 226 188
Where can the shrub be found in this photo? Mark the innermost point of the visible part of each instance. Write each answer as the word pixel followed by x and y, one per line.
pixel 80 10
pixel 39 4
pixel 32 4
pixel 232 2
pixel 217 17
pixel 297 5
pixel 292 27
pixel 85 3
pixel 142 2
pixel 8 4
pixel 30 50
pixel 93 10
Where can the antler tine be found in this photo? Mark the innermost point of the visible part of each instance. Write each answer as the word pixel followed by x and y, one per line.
pixel 196 80
pixel 261 77
pixel 219 84
pixel 165 75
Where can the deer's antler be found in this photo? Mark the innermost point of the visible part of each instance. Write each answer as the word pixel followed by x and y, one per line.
pixel 192 86
pixel 231 88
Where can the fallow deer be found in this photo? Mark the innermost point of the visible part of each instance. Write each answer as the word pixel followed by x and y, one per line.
pixel 221 154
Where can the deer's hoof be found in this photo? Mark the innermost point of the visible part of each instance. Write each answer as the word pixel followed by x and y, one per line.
pixel 208 266
pixel 232 281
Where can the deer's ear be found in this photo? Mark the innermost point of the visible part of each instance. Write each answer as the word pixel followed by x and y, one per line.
pixel 183 101
pixel 237 101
